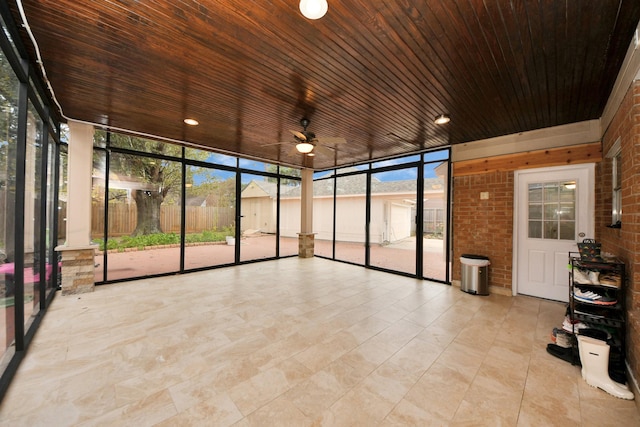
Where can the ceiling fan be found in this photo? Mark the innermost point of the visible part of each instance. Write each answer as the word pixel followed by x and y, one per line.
pixel 307 142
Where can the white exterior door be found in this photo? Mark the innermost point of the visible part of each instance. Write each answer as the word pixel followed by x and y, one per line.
pixel 554 209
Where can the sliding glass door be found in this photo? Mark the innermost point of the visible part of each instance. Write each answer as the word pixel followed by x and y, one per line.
pixel 392 229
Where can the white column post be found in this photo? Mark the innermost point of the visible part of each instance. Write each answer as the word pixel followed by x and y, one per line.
pixel 306 235
pixel 77 252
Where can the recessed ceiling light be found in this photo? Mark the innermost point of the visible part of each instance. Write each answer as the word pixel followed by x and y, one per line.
pixel 191 122
pixel 313 9
pixel 442 119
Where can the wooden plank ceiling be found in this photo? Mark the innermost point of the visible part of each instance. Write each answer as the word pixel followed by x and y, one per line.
pixel 373 72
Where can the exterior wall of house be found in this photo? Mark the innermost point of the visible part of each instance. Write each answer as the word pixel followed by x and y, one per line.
pixel 258 214
pixel 391 219
pixel 290 217
pixel 625 241
pixel 484 227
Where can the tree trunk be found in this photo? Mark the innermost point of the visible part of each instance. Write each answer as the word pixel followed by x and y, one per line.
pixel 148 209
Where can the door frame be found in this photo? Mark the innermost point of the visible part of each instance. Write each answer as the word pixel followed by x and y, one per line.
pixel 589 167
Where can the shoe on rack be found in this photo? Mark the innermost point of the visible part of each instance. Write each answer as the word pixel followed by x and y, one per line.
pixel 581 277
pixel 572 326
pixel 611 280
pixel 586 296
pixel 604 300
pixel 593 277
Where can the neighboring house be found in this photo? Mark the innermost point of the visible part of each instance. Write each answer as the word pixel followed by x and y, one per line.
pixel 393 206
pixel 259 207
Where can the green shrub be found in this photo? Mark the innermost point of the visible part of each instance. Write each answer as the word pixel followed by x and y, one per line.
pixel 158 239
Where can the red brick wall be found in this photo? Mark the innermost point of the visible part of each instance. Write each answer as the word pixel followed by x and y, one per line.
pixel 624 242
pixel 484 227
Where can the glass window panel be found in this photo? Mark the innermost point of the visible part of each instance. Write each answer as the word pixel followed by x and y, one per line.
pixel 323 217
pixel 8 151
pixel 535 193
pixel 51 256
pixel 434 219
pixel 209 157
pixel 396 161
pixel 350 218
pixel 145 145
pixel 567 191
pixel 350 169
pixel 98 196
pixel 210 216
pixel 535 211
pixel 286 171
pixel 257 166
pixel 535 229
pixel 567 212
pixel 442 155
pixel 64 133
pixel 323 174
pixel 550 229
pixel 392 230
pixel 63 195
pixel 258 222
pixel 144 216
pixel 290 212
pixel 559 205
pixel 100 138
pixel 567 230
pixel 550 211
pixel 33 221
pixel 551 192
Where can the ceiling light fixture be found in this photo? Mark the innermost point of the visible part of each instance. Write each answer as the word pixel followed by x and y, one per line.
pixel 304 147
pixel 442 119
pixel 313 9
pixel 191 122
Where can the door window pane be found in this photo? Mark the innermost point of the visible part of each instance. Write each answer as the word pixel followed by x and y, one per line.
pixel 551 210
pixel 144 216
pixel 323 216
pixel 98 197
pixel 210 216
pixel 350 217
pixel 33 221
pixel 51 256
pixel 290 212
pixel 434 219
pixel 258 217
pixel 392 230
pixel 8 151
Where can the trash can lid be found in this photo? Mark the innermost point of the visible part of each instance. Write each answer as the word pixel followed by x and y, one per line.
pixel 471 256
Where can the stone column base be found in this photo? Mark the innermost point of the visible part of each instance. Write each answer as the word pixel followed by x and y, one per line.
pixel 306 243
pixel 78 267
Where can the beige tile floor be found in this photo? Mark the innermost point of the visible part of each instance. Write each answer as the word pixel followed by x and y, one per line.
pixel 300 342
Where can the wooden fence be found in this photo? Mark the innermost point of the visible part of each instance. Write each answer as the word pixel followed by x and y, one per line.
pixel 123 218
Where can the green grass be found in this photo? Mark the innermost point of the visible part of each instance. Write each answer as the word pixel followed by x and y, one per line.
pixel 160 239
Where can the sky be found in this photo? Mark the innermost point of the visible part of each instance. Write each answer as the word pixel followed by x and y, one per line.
pixel 435 158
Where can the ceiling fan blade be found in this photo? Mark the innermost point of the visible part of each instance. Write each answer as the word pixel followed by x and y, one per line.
pixel 325 151
pixel 331 141
pixel 298 135
pixel 293 151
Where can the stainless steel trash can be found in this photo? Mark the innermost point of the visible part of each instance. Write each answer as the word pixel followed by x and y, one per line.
pixel 475 274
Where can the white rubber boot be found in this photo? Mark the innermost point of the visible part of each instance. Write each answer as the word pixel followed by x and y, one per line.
pixel 594 356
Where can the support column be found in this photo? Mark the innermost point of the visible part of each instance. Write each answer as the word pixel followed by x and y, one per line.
pixel 78 253
pixel 306 235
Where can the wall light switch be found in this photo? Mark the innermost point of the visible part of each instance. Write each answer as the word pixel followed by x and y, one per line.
pixel 484 195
